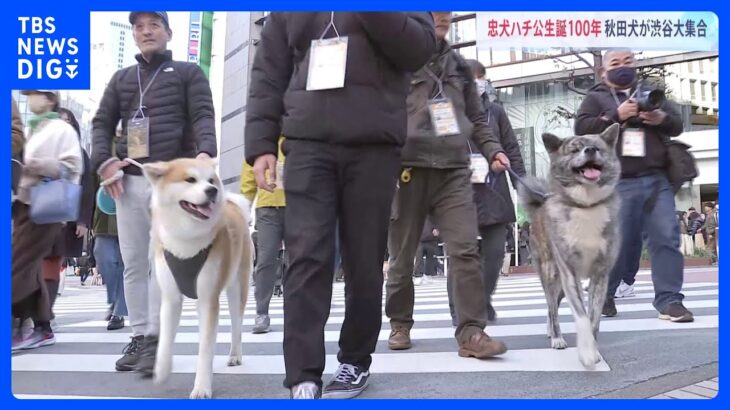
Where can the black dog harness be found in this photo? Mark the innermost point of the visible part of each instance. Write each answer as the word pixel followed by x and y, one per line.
pixel 186 271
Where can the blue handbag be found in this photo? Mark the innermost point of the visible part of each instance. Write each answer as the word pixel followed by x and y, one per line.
pixel 55 201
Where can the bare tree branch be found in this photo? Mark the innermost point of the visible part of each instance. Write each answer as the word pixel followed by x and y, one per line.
pixel 584 60
pixel 563 61
pixel 581 58
pixel 575 90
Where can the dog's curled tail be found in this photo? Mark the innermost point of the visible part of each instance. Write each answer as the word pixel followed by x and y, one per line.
pixel 242 203
pixel 533 193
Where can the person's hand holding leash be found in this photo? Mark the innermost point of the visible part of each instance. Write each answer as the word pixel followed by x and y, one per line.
pixel 500 162
pixel 111 179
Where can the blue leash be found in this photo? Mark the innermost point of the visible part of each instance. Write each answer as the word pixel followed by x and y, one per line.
pixel 519 179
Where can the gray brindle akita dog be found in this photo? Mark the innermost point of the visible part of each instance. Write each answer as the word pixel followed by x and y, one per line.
pixel 574 232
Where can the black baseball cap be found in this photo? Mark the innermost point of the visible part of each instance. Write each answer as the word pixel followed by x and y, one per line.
pixel 161 14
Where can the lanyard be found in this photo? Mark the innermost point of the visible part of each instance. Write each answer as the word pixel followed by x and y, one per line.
pixel 615 97
pixel 142 92
pixel 439 80
pixel 332 25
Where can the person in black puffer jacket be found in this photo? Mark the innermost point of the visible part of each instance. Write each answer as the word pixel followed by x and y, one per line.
pixel 175 98
pixel 343 157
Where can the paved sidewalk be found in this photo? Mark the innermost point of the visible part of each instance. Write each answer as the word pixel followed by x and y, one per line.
pixel 707 389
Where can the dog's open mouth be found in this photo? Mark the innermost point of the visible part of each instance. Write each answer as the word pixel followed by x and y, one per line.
pixel 590 171
pixel 202 211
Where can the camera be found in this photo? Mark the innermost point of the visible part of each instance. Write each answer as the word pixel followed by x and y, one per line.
pixel 649 98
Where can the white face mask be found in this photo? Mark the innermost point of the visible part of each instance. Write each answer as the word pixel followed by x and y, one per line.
pixel 39 103
pixel 481 85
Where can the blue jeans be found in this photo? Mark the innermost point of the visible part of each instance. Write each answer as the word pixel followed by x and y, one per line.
pixel 659 222
pixel 109 261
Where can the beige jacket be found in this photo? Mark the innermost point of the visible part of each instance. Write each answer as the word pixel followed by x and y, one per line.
pixel 53 144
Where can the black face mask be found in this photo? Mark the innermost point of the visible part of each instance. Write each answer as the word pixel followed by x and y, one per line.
pixel 622 76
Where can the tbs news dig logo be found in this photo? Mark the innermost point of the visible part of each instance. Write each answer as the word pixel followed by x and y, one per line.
pixel 42 54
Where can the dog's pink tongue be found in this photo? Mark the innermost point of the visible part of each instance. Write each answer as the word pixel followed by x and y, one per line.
pixel 205 210
pixel 592 173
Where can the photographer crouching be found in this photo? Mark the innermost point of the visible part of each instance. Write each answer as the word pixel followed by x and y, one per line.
pixel 647 194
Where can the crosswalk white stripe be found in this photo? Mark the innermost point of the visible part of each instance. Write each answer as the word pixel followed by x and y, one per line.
pixel 191 311
pixel 394 363
pixel 534 329
pixel 70 397
pixel 520 292
pixel 426 317
pixel 100 303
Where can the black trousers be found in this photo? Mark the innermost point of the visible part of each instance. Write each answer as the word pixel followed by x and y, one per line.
pixel 325 183
pixel 426 259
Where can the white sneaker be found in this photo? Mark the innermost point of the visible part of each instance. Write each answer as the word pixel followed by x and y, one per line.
pixel 585 283
pixel 625 291
pixel 418 281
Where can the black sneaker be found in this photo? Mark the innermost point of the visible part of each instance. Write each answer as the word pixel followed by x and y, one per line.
pixel 131 355
pixel 146 363
pixel 347 382
pixel 115 323
pixel 609 308
pixel 676 312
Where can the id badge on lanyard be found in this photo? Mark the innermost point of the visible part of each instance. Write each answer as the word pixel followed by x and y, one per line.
pixel 443 116
pixel 138 128
pixel 138 138
pixel 479 169
pixel 634 143
pixel 327 61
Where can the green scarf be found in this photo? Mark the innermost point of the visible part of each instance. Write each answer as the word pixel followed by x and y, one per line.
pixel 37 119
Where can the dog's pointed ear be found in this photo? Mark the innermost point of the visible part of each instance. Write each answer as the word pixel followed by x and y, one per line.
pixel 552 142
pixel 155 170
pixel 610 135
pixel 214 161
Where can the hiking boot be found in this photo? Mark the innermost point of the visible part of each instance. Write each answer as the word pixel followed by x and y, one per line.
pixel 676 312
pixel 131 355
pixel 38 338
pixel 306 390
pixel 261 325
pixel 481 346
pixel 400 338
pixel 609 308
pixel 115 323
pixel 347 382
pixel 146 363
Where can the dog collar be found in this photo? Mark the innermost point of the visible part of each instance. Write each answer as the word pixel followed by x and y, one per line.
pixel 186 271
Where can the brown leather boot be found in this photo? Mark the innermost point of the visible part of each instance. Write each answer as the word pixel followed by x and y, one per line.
pixel 400 338
pixel 481 346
